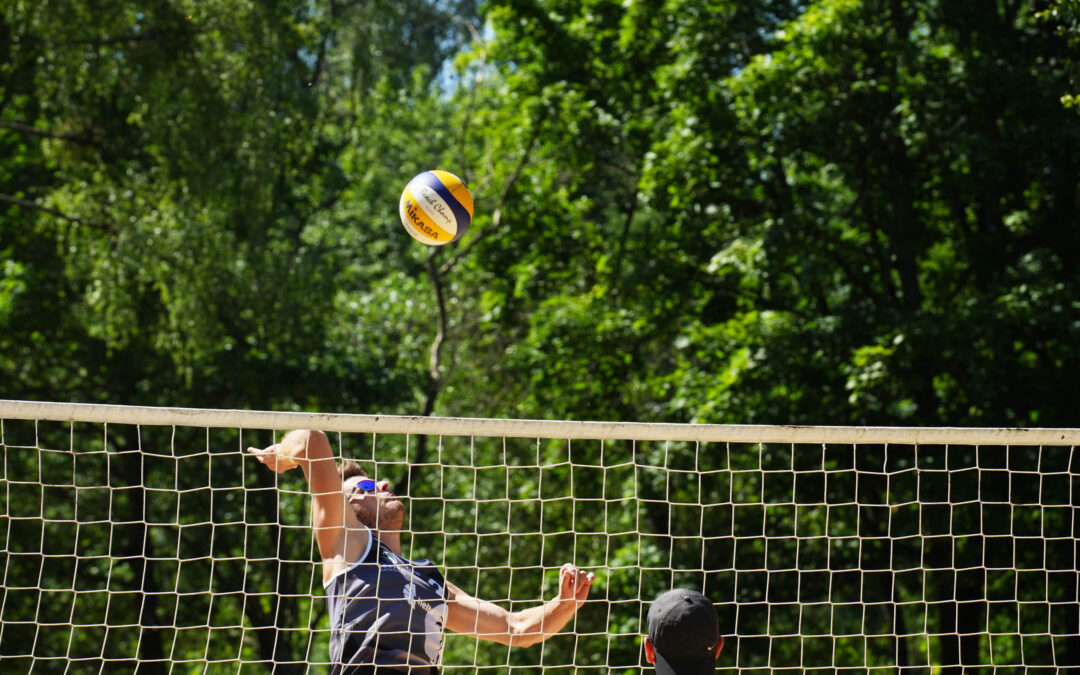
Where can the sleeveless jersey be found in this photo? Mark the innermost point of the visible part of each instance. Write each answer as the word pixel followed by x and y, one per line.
pixel 386 610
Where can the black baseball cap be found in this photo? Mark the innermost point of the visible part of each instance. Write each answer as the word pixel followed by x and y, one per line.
pixel 684 631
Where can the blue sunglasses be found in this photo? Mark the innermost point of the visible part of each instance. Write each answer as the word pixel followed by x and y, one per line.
pixel 365 484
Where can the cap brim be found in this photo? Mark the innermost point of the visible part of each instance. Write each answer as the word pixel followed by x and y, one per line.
pixel 675 667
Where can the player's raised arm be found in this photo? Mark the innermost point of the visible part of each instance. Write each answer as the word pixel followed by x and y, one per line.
pixel 487 621
pixel 310 450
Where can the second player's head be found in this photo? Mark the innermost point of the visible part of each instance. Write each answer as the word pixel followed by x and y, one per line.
pixel 684 634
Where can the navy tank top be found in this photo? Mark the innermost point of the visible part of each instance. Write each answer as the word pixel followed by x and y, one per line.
pixel 386 610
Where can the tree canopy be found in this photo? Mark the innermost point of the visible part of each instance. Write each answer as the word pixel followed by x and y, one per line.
pixel 767 211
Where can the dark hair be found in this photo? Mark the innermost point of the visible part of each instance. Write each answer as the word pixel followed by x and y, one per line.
pixel 349 468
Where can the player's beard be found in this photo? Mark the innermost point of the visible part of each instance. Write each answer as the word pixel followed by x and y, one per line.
pixel 385 514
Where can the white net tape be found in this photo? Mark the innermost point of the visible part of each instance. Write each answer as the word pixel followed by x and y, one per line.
pixel 147 539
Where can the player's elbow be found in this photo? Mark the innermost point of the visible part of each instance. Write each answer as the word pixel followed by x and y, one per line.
pixel 527 639
pixel 313 443
pixel 316 437
pixel 523 633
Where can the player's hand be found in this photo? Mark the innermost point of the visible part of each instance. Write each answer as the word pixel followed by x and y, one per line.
pixel 271 459
pixel 574 583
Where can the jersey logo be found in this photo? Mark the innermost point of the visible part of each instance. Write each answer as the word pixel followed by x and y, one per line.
pixel 438 587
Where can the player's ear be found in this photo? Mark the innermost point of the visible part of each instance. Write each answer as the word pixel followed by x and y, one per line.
pixel 650 651
pixel 719 647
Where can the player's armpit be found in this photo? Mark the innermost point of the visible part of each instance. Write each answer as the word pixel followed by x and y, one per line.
pixel 310 450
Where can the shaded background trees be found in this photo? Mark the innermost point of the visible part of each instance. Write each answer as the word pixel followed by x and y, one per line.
pixel 823 212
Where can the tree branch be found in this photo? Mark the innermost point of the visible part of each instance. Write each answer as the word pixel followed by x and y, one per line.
pixel 624 236
pixel 496 217
pixel 58 214
pixel 43 133
pixel 148 36
pixel 434 383
pixel 440 331
pixel 467 117
pixel 320 59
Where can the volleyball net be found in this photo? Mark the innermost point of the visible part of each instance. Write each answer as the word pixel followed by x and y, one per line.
pixel 147 540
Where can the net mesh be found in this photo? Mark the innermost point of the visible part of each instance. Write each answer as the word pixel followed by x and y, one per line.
pixel 166 548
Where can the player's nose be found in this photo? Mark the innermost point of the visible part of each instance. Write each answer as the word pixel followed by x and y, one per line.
pixel 383 486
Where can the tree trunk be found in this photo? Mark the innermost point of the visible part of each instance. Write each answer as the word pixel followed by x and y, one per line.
pixel 130 469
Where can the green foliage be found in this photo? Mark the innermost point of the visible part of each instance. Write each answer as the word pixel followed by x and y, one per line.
pixel 828 212
pixel 187 220
pixel 1065 16
pixel 892 188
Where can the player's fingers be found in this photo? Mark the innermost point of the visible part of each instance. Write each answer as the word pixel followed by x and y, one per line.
pixel 567 580
pixel 575 582
pixel 269 458
pixel 269 450
pixel 584 582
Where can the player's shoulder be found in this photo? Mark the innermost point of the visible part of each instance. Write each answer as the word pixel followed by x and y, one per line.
pixel 352 546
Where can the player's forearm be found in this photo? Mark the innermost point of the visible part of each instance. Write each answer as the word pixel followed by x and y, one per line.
pixel 302 447
pixel 536 624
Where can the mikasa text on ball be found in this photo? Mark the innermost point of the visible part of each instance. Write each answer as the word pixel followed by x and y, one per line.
pixel 436 208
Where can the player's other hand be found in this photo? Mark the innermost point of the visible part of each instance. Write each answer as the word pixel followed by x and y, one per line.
pixel 271 459
pixel 574 583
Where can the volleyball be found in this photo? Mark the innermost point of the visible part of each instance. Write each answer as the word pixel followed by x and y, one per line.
pixel 436 208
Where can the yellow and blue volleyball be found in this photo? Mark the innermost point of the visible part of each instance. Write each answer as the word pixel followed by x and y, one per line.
pixel 436 208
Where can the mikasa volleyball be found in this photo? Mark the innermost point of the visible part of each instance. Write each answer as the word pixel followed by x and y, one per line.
pixel 436 208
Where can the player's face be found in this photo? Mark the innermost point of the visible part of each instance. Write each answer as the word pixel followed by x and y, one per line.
pixel 378 508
